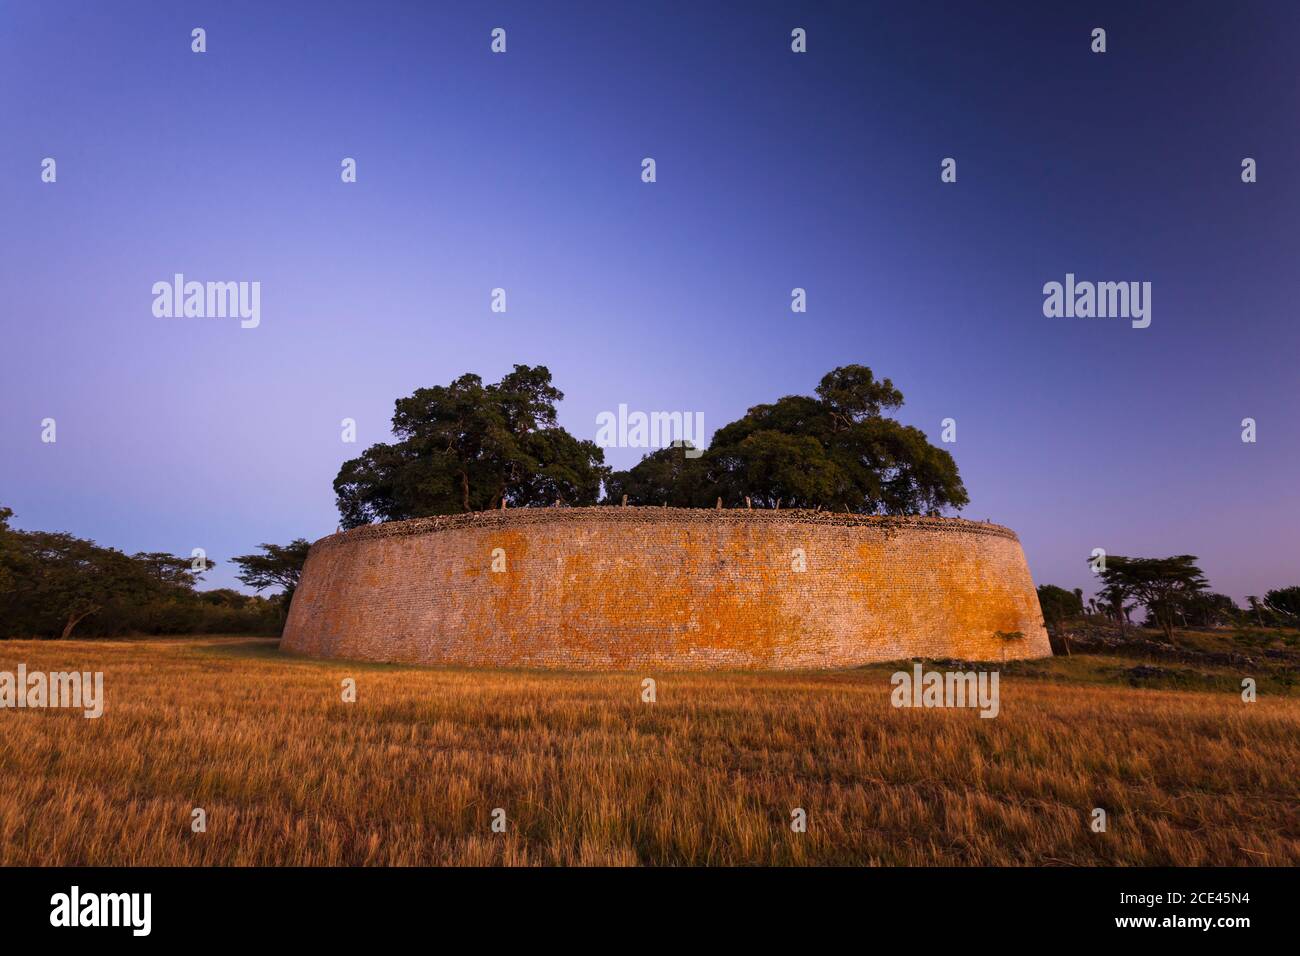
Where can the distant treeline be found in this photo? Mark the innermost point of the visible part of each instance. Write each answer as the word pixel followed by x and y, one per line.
pixel 54 585
pixel 1172 591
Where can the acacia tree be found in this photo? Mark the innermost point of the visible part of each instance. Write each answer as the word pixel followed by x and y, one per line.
pixel 1163 585
pixel 469 447
pixel 280 565
pixel 1284 602
pixel 71 578
pixel 837 450
pixel 171 571
pixel 55 585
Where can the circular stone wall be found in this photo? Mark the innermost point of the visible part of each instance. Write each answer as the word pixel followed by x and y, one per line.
pixel 621 588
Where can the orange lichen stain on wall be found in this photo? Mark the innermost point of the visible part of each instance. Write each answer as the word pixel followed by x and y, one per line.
pixel 496 593
pixel 677 596
pixel 604 588
pixel 748 615
pixel 886 608
pixel 981 604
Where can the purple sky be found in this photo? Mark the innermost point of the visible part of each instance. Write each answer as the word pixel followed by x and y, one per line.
pixel 775 170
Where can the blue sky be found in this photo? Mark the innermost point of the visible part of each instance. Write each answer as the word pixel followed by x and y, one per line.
pixel 774 170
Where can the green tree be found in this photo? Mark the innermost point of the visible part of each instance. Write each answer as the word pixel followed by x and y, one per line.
pixel 1163 585
pixel 1115 602
pixel 836 450
pixel 279 565
pixel 72 578
pixel 224 597
pixel 1208 609
pixel 1284 602
pixel 469 447
pixel 1059 605
pixel 8 552
pixel 52 585
pixel 1256 608
pixel 666 476
pixel 172 572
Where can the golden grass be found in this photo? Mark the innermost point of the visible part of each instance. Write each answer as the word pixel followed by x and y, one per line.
pixel 588 774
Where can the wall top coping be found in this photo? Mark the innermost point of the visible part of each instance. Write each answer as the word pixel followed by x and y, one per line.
pixel 683 517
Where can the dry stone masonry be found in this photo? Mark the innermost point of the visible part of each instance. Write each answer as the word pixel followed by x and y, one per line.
pixel 629 588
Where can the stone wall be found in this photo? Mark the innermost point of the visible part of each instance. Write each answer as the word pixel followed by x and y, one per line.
pixel 630 588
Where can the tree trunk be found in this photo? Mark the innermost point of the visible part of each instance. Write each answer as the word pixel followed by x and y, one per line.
pixel 464 489
pixel 73 621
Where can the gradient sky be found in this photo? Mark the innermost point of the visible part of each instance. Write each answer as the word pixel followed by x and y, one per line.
pixel 775 170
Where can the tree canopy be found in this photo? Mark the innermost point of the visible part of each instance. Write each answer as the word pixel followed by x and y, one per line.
pixel 278 566
pixel 1285 603
pixel 1059 605
pixel 53 584
pixel 468 446
pixel 1165 586
pixel 1208 609
pixel 837 451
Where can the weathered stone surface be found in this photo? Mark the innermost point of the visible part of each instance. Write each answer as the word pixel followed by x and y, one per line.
pixel 633 588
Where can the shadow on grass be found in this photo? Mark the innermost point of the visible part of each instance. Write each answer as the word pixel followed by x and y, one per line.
pixel 1079 670
pixel 268 649
pixel 1107 670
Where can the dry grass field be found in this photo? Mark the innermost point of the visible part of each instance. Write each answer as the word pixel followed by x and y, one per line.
pixel 589 774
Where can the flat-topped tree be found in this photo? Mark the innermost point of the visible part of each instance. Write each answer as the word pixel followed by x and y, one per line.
pixel 1284 602
pixel 278 566
pixel 1163 585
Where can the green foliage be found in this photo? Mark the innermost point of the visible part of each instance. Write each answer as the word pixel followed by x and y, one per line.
pixel 55 585
pixel 835 451
pixel 1285 603
pixel 468 447
pixel 278 566
pixel 8 553
pixel 1059 605
pixel 1165 586
pixel 665 476
pixel 68 579
pixel 1208 609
